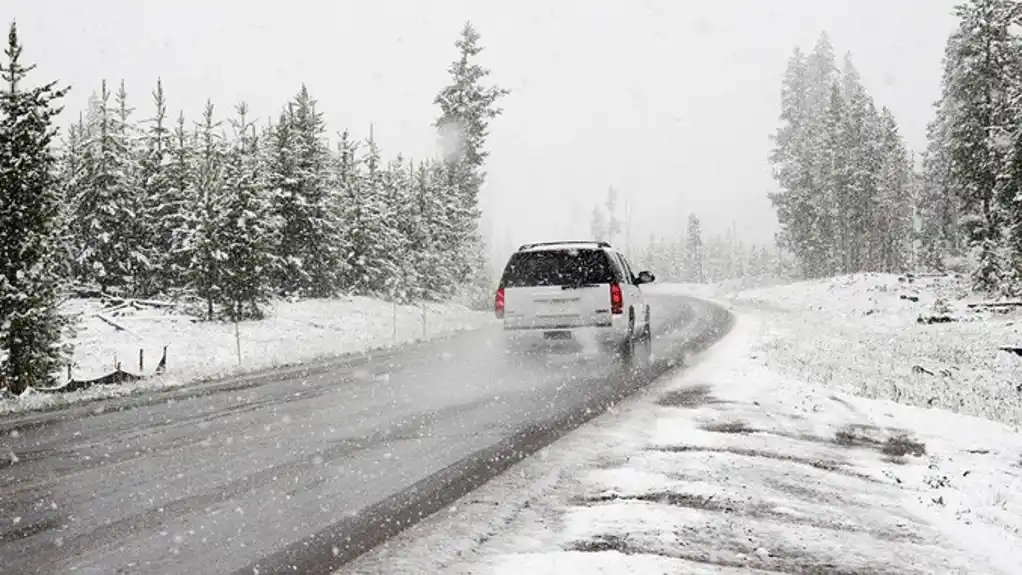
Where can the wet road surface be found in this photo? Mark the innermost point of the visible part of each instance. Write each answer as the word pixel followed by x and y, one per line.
pixel 300 469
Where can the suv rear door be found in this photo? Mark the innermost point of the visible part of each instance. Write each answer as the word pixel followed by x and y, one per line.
pixel 560 288
pixel 633 294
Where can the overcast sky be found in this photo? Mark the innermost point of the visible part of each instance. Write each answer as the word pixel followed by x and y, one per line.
pixel 671 102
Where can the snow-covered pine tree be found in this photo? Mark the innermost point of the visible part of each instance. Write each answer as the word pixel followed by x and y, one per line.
pixel 822 73
pixel 138 231
pixel 598 225
pixel 818 252
pixel 421 260
pixel 371 236
pixel 893 221
pixel 978 88
pixel 172 213
pixel 401 214
pixel 446 226
pixel 435 268
pixel 829 254
pixel 793 159
pixel 203 243
pixel 1011 202
pixel 695 251
pixel 157 202
pixel 280 166
pixel 32 329
pixel 861 142
pixel 939 208
pixel 72 172
pixel 613 223
pixel 345 183
pixel 108 200
pixel 467 106
pixel 828 162
pixel 300 178
pixel 1010 199
pixel 246 229
pixel 714 265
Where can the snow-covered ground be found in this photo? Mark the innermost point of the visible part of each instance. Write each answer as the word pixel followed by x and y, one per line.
pixel 861 335
pixel 293 332
pixel 780 451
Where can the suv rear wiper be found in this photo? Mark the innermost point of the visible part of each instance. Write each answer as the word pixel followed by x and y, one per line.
pixel 579 286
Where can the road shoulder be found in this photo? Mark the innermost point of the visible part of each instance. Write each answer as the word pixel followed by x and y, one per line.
pixel 731 467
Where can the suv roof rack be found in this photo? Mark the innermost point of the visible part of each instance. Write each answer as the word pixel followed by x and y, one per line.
pixel 541 244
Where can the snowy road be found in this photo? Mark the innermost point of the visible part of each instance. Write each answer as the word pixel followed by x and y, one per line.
pixel 299 469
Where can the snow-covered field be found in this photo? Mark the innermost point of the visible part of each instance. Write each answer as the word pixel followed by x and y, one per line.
pixel 293 332
pixel 857 334
pixel 781 450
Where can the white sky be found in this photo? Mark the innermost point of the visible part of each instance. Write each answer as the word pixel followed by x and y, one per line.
pixel 671 102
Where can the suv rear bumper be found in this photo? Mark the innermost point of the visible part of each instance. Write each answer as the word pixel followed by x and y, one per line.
pixel 613 328
pixel 547 325
pixel 601 337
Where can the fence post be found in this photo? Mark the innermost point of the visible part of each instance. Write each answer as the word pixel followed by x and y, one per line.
pixel 237 340
pixel 141 360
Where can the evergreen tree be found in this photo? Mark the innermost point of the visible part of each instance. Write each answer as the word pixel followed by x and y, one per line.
pixel 203 243
pixel 108 201
pixel 694 251
pixel 72 173
pixel 345 180
pixel 792 158
pixel 172 212
pixel 467 106
pixel 939 205
pixel 422 261
pixel 402 218
pixel 371 238
pixel 437 271
pixel 894 210
pixel 156 202
pixel 613 223
pixel 31 326
pixel 978 90
pixel 303 200
pixel 598 225
pixel 861 145
pixel 832 230
pixel 246 230
pixel 829 159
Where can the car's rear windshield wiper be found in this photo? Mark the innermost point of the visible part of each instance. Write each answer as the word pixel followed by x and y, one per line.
pixel 578 286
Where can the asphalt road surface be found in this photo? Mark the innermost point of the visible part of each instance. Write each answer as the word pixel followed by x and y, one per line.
pixel 300 470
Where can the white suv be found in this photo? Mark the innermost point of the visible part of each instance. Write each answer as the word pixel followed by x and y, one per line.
pixel 568 290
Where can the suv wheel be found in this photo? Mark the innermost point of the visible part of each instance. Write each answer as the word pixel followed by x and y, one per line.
pixel 627 347
pixel 646 343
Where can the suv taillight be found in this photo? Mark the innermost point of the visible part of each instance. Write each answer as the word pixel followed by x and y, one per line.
pixel 616 300
pixel 498 304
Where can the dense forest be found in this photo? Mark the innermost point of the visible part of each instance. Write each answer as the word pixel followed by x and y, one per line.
pixel 852 200
pixel 226 210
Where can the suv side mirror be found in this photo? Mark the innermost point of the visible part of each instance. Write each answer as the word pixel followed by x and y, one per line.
pixel 646 278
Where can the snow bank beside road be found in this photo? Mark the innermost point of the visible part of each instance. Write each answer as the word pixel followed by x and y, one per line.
pixel 293 332
pixel 861 334
pixel 740 466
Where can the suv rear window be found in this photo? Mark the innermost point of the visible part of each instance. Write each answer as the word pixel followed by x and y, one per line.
pixel 558 268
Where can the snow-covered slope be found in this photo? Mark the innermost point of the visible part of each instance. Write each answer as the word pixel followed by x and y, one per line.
pixel 293 332
pixel 754 461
